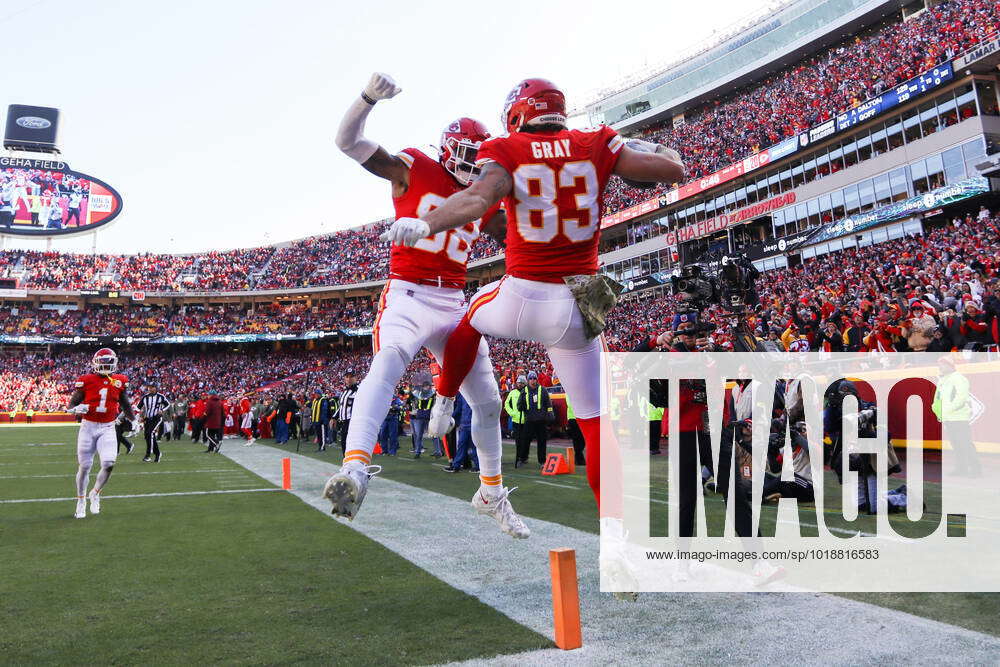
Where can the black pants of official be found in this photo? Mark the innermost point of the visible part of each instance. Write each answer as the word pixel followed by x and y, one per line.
pixel 576 435
pixel 695 444
pixel 532 431
pixel 151 427
pixel 342 427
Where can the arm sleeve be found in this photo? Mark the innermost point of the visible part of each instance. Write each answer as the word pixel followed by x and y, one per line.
pixel 350 134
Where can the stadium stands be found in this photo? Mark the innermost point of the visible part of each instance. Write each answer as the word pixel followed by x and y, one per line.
pixel 934 292
pixel 855 299
pixel 797 98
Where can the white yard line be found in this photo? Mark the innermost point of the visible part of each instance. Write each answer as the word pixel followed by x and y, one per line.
pixel 142 495
pixel 119 474
pixel 470 554
pixel 561 486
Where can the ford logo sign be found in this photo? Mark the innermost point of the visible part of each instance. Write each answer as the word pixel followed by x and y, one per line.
pixel 33 122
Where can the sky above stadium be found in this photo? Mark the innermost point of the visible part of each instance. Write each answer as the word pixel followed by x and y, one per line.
pixel 215 120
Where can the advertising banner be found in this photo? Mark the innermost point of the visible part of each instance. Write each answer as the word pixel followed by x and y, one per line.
pixel 901 94
pixel 949 194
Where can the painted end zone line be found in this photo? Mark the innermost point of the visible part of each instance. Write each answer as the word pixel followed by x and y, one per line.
pixel 143 495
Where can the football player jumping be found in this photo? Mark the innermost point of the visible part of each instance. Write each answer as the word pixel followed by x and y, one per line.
pixel 551 180
pixel 422 302
pixel 97 398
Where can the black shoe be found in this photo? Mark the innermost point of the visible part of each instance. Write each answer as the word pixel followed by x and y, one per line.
pixel 157 459
pixel 129 448
pixel 476 470
pixel 517 463
pixel 146 460
pixel 450 469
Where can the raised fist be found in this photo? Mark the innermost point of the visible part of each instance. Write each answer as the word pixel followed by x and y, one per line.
pixel 380 87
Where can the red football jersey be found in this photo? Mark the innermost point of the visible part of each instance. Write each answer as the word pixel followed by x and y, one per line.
pixel 443 256
pixel 554 209
pixel 101 394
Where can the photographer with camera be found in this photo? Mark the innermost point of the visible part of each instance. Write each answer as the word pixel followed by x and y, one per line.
pixel 801 487
pixel 865 465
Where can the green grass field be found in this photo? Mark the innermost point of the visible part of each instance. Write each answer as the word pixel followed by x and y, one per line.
pixel 232 573
pixel 252 577
pixel 567 499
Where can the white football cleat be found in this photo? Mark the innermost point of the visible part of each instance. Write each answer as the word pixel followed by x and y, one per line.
pixel 81 508
pixel 441 421
pixel 346 490
pixel 499 508
pixel 95 502
pixel 615 562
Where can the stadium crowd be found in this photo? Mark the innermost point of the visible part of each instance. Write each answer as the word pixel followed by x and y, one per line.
pixel 189 321
pixel 712 137
pixel 816 90
pixel 350 256
pixel 933 292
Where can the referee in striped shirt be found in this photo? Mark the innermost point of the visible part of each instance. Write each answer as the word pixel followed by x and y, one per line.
pixel 345 408
pixel 151 407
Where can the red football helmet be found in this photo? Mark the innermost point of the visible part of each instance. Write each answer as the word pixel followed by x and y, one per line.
pixel 105 361
pixel 460 143
pixel 533 102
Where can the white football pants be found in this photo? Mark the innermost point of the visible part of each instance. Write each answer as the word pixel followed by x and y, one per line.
pixel 545 313
pixel 411 316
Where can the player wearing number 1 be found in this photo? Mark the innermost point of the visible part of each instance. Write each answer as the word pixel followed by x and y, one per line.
pixel 422 301
pixel 97 397
pixel 551 180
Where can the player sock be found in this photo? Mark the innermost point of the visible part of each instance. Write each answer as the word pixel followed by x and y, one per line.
pixel 490 485
pixel 371 403
pixel 357 458
pixel 459 357
pixel 486 435
pixel 595 437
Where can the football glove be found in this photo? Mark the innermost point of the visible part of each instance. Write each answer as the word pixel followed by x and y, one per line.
pixel 380 87
pixel 406 231
pixel 81 409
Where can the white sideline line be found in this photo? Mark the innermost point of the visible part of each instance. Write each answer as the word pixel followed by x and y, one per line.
pixel 142 495
pixel 117 474
pixel 561 486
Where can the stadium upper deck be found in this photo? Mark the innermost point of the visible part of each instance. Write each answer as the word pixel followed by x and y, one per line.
pixel 797 107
